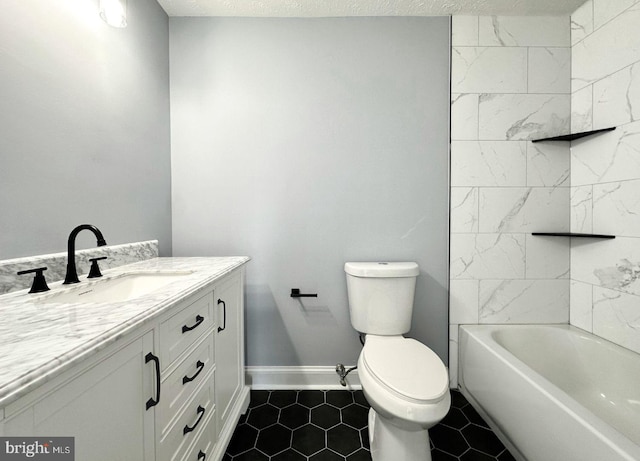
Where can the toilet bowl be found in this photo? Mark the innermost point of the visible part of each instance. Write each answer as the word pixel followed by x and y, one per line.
pixel 407 386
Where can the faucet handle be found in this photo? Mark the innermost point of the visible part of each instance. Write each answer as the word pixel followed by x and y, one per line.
pixel 39 283
pixel 95 269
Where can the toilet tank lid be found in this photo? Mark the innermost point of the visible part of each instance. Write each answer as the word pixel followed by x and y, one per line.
pixel 382 269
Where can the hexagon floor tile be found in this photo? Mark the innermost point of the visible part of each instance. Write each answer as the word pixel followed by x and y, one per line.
pixel 332 425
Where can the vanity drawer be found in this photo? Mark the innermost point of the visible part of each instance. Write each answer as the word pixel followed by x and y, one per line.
pixel 187 426
pixel 181 330
pixel 202 450
pixel 180 385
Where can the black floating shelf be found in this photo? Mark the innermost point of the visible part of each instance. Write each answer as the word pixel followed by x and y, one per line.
pixel 572 234
pixel 574 136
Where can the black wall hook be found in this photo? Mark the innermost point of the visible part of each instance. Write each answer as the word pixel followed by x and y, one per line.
pixel 295 293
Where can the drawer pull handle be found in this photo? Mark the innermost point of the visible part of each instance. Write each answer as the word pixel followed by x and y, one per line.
pixel 201 455
pixel 224 315
pixel 148 358
pixel 199 320
pixel 187 379
pixel 188 429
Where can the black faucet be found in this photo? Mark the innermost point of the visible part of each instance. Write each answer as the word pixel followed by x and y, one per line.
pixel 72 274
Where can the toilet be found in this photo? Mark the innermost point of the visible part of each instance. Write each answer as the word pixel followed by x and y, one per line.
pixel 404 381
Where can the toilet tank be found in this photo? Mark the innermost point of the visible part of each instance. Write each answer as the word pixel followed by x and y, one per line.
pixel 381 296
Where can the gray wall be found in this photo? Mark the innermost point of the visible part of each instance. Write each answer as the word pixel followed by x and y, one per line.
pixel 84 125
pixel 305 143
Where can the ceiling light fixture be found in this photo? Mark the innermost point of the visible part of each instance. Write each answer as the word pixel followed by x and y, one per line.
pixel 114 12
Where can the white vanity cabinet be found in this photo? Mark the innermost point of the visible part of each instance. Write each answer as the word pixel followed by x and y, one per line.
pixel 186 342
pixel 229 346
pixel 103 407
pixel 195 350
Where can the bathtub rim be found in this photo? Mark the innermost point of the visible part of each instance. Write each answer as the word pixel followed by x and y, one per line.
pixel 599 428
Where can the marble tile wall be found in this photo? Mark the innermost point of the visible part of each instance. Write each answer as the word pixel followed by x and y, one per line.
pixel 511 83
pixel 56 263
pixel 605 170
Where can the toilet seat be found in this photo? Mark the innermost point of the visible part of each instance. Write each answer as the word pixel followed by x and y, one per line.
pixel 406 368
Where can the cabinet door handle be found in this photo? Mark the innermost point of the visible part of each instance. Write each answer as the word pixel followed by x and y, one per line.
pixel 199 320
pixel 202 455
pixel 148 358
pixel 224 315
pixel 186 379
pixel 188 429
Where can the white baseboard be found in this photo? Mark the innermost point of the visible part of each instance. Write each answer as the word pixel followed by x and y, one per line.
pixel 299 378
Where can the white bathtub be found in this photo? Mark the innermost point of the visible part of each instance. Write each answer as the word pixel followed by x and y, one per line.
pixel 553 392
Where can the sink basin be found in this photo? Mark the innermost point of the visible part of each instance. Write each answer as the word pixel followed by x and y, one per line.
pixel 123 287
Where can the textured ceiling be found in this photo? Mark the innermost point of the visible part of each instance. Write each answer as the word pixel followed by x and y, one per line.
pixel 331 8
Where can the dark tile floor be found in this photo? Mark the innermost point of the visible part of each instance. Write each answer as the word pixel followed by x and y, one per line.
pixel 332 425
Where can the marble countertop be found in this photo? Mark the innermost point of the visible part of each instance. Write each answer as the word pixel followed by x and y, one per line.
pixel 38 341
